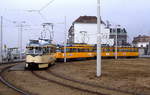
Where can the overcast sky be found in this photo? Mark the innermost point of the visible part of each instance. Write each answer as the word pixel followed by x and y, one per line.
pixel 131 14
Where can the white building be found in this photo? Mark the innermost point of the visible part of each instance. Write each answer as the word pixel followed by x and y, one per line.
pixel 84 30
pixel 141 41
pixel 141 44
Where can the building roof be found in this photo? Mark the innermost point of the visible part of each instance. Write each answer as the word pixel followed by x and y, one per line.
pixel 87 19
pixel 141 39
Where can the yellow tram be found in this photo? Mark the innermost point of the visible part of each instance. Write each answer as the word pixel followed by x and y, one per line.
pixel 89 51
pixel 76 51
pixel 40 55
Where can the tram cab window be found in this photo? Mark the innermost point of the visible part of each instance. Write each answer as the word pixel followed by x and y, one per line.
pixel 29 50
pixel 46 50
pixel 34 50
pixel 38 50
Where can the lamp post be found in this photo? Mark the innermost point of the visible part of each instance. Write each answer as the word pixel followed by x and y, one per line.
pixel 98 67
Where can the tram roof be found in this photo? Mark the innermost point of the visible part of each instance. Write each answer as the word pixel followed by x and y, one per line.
pixel 40 43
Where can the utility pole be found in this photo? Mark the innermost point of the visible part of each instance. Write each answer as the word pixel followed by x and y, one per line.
pixel 1 41
pixel 65 43
pixel 116 55
pixel 20 30
pixel 98 67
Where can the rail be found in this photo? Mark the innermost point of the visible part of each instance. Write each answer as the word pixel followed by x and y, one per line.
pixel 8 84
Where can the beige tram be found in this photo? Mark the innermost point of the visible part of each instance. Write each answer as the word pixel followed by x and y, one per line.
pixel 40 55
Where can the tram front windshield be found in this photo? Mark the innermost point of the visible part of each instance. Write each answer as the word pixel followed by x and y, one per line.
pixel 34 50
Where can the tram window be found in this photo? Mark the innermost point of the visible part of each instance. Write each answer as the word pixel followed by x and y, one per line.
pixel 128 50
pixel 111 49
pixel 124 50
pixel 121 50
pixel 62 50
pixel 44 50
pixel 71 50
pixel 107 49
pixel 91 49
pixel 134 49
pixel 53 50
pixel 104 49
pixel 83 50
pixel 38 50
pixel 68 49
pixel 75 50
pixel 29 50
pixel 131 49
pixel 118 50
pixel 86 50
pixel 80 50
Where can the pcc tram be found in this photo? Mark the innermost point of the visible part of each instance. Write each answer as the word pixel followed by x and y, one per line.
pixel 40 54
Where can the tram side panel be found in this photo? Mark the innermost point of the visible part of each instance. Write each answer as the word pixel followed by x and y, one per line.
pixel 106 52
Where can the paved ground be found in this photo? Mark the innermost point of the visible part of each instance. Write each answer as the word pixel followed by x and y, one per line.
pixel 18 67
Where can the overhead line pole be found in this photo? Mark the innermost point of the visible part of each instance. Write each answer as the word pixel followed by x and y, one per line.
pixel 65 43
pixel 1 40
pixel 98 67
pixel 20 30
pixel 116 55
pixel 21 26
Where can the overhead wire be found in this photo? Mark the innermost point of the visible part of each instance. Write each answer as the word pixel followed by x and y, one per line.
pixel 46 5
pixel 41 9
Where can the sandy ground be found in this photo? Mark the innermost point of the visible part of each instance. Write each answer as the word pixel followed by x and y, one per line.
pixel 4 90
pixel 26 80
pixel 124 74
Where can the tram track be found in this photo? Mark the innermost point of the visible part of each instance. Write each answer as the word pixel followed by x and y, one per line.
pixel 52 80
pixel 91 84
pixel 10 85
